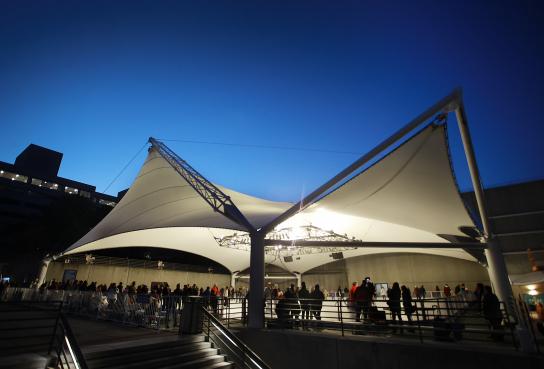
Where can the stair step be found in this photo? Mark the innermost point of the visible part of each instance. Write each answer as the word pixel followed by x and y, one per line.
pixel 25 332
pixel 24 361
pixel 221 365
pixel 152 358
pixel 173 360
pixel 137 346
pixel 200 363
pixel 146 352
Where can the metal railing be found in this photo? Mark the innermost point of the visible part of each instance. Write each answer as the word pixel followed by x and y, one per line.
pixel 230 345
pixel 456 319
pixel 144 310
pixel 64 344
pixel 39 327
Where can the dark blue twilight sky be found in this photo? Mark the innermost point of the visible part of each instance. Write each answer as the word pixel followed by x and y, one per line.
pixel 95 79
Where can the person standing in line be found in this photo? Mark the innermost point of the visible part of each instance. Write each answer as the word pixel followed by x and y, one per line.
pixel 304 296
pixel 447 290
pixel 317 302
pixel 352 291
pixel 362 300
pixel 416 292
pixel 492 312
pixel 407 304
pixel 352 303
pixel 394 304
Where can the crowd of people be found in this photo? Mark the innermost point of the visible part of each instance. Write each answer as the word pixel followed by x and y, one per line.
pixel 295 303
pixel 162 289
pixel 292 302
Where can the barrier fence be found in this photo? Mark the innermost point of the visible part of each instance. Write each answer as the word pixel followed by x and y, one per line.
pixel 454 319
pixel 451 319
pixel 144 310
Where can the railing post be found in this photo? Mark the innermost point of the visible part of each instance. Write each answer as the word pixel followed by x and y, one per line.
pixel 271 308
pixel 510 326
pixel 229 302
pixel 341 316
pixel 55 329
pixel 527 317
pixel 418 324
pixel 209 323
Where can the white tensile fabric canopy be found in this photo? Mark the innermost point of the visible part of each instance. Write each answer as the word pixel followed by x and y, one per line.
pixel 408 196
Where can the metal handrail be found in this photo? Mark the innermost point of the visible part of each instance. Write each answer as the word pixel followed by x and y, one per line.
pixel 438 317
pixel 246 357
pixel 72 345
pixel 63 342
pixel 457 314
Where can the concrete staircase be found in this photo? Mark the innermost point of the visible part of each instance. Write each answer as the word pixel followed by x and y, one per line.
pixel 168 352
pixel 25 329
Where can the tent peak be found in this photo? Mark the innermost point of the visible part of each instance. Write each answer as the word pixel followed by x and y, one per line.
pixel 217 199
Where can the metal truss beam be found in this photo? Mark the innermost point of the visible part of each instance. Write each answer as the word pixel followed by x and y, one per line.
pixel 217 199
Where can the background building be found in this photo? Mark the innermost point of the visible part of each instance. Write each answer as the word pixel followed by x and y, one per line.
pixel 40 212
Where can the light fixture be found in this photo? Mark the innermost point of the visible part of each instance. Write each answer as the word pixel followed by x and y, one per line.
pixel 1 172
pixel 533 292
pixel 292 234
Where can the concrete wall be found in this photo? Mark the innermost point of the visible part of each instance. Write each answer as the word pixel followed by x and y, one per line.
pixel 408 269
pixel 106 274
pixel 328 276
pixel 300 350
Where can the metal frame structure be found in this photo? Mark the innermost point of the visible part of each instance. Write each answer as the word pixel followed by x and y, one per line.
pixel 217 199
pixel 451 103
pixel 220 202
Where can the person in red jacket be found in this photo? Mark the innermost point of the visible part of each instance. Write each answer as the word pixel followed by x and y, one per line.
pixel 352 291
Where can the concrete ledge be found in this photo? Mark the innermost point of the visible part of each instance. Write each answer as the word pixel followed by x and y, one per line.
pixel 293 349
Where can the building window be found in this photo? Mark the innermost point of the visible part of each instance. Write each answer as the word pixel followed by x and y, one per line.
pixel 13 176
pixel 41 183
pixel 106 202
pixel 71 190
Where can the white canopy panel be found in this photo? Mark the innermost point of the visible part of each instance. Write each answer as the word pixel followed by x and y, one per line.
pixel 161 198
pixel 408 196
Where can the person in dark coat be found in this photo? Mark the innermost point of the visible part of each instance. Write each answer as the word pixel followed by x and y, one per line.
pixel 407 304
pixel 292 302
pixel 394 295
pixel 317 302
pixel 492 312
pixel 363 300
pixel 282 312
pixel 304 296
pixel 206 297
